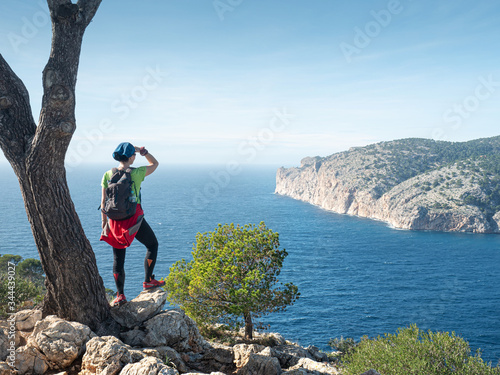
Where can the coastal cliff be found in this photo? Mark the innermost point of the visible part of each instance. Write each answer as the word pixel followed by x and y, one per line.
pixel 412 183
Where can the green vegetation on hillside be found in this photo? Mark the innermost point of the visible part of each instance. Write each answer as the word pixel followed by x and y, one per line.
pixel 410 157
pixel 412 351
pixel 474 164
pixel 21 283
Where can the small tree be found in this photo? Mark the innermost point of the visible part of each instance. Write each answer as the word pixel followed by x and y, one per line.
pixel 233 275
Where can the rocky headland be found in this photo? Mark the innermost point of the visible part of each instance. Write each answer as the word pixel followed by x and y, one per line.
pixel 152 341
pixel 412 183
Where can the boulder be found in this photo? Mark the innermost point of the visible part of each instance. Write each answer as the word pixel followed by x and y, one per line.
pixel 30 361
pixel 220 355
pixel 315 367
pixel 148 366
pixel 217 358
pixel 277 337
pixel 249 362
pixel 134 337
pixel 294 350
pixel 10 337
pixel 170 355
pixel 108 355
pixel 297 360
pixel 59 340
pixel 243 351
pixel 173 328
pixel 143 307
pixel 288 355
pixel 5 369
pixel 317 354
pixel 26 319
pixel 285 360
pixel 261 365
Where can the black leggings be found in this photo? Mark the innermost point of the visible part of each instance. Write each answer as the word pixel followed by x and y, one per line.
pixel 146 236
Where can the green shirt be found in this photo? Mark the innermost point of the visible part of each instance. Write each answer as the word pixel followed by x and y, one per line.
pixel 137 175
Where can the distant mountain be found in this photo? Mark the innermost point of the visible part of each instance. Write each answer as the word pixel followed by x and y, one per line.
pixel 410 183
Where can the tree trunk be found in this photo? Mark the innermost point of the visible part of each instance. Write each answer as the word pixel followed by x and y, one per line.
pixel 248 325
pixel 75 291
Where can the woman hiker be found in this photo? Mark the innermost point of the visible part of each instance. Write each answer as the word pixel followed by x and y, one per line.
pixel 120 233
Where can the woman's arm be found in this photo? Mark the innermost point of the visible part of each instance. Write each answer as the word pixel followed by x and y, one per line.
pixel 103 202
pixel 153 163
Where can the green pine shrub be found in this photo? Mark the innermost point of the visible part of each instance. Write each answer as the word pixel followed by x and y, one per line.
pixel 412 351
pixel 232 278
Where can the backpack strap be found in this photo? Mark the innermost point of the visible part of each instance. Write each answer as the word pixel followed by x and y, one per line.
pixel 128 173
pixel 136 193
pixel 128 170
pixel 113 173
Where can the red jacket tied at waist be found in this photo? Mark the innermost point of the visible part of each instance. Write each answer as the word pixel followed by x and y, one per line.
pixel 121 233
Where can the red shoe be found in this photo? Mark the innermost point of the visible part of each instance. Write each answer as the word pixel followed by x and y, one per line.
pixel 119 300
pixel 152 283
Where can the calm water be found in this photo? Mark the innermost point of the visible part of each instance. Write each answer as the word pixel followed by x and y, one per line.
pixel 356 276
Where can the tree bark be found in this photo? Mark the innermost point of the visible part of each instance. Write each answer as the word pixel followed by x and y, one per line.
pixel 248 325
pixel 75 291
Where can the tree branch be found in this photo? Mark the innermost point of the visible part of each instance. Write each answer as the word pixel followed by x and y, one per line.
pixel 57 118
pixel 17 126
pixel 84 10
pixel 88 8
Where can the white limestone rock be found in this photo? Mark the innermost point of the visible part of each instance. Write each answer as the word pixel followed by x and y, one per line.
pixel 143 307
pixel 175 329
pixel 60 341
pixel 148 366
pixel 108 355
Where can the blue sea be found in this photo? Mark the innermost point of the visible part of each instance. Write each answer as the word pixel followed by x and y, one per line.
pixel 356 276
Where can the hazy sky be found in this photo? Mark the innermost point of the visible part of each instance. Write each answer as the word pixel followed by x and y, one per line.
pixel 267 81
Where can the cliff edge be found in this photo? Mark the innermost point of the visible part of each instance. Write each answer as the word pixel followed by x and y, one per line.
pixel 152 341
pixel 418 184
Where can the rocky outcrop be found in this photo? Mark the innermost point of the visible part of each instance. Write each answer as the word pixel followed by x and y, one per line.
pixel 108 355
pixel 59 341
pixel 148 366
pixel 146 305
pixel 410 184
pixel 53 343
pixel 21 325
pixel 5 369
pixel 173 328
pixel 164 343
pixel 26 319
pixel 30 360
